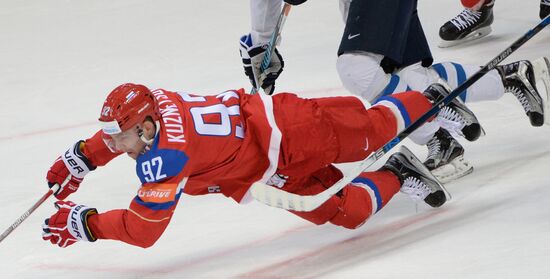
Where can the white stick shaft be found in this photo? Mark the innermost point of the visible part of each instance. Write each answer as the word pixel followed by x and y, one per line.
pixel 27 213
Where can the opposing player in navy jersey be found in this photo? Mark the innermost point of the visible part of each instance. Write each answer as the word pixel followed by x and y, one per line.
pixel 383 50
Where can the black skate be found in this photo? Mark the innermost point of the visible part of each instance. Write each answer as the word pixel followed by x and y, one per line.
pixel 416 180
pixel 466 26
pixel 541 68
pixel 518 78
pixel 446 157
pixel 455 117
pixel 544 8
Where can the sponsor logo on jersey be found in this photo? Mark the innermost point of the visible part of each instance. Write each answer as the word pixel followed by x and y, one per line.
pixel 158 192
pixel 171 116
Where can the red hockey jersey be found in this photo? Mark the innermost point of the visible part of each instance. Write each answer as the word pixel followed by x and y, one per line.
pixel 225 143
pixel 222 159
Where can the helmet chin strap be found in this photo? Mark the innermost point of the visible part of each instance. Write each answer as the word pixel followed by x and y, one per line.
pixel 149 142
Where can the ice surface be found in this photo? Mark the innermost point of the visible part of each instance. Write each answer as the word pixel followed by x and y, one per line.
pixel 59 59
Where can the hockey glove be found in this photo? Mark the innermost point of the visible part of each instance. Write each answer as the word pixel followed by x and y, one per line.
pixel 252 56
pixel 68 225
pixel 68 171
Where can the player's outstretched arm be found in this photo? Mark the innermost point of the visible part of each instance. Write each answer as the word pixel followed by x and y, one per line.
pixel 142 224
pixel 149 213
pixel 69 169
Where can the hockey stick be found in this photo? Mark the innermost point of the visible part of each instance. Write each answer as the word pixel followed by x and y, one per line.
pixel 271 46
pixel 27 213
pixel 276 197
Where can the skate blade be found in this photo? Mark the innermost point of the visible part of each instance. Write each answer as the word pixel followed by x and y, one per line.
pixel 541 69
pixel 478 34
pixel 421 167
pixel 457 168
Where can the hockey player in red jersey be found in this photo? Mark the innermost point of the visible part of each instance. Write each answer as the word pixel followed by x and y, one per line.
pixel 185 143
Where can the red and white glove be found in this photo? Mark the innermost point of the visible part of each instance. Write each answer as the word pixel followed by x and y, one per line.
pixel 68 171
pixel 69 224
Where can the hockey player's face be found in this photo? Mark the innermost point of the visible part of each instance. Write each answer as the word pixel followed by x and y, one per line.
pixel 129 142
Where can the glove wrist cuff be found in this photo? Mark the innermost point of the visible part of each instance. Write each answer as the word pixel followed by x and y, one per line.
pixel 77 223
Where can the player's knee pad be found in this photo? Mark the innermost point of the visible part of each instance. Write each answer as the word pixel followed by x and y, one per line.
pixel 361 74
pixel 418 77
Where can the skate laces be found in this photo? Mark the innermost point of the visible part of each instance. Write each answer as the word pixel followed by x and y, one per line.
pixel 415 188
pixel 434 147
pixel 452 121
pixel 519 84
pixel 522 98
pixel 545 2
pixel 466 18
